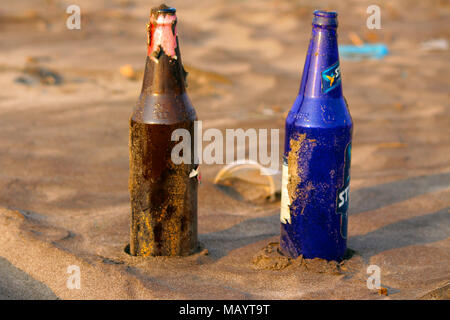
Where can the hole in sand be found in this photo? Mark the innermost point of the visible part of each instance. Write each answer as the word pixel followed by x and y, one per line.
pixel 271 258
pixel 201 250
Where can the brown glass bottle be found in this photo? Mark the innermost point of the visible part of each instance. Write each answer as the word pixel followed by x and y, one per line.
pixel 163 194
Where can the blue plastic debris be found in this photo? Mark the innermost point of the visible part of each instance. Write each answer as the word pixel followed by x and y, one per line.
pixel 365 51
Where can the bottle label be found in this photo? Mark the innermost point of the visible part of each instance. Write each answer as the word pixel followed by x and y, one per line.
pixel 162 35
pixel 285 213
pixel 343 193
pixel 331 77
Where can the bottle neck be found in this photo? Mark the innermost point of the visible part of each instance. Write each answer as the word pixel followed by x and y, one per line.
pixel 322 76
pixel 164 72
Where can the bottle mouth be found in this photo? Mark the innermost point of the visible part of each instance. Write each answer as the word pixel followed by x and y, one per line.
pixel 167 10
pixel 325 18
pixel 163 9
pixel 163 15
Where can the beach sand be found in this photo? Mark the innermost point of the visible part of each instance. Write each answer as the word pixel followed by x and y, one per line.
pixel 64 109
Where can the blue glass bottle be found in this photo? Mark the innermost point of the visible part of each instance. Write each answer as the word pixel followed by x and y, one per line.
pixel 316 164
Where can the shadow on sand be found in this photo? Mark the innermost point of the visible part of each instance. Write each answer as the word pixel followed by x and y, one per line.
pixel 418 230
pixel 18 285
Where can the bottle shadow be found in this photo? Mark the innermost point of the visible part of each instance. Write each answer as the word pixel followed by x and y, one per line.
pixel 375 197
pixel 418 230
pixel 414 231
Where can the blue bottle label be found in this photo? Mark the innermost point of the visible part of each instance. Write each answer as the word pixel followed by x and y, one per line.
pixel 331 77
pixel 343 193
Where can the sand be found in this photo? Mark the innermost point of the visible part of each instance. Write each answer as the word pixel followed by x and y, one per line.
pixel 65 106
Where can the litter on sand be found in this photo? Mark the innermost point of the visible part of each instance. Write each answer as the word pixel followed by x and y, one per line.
pixel 365 51
pixel 434 45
